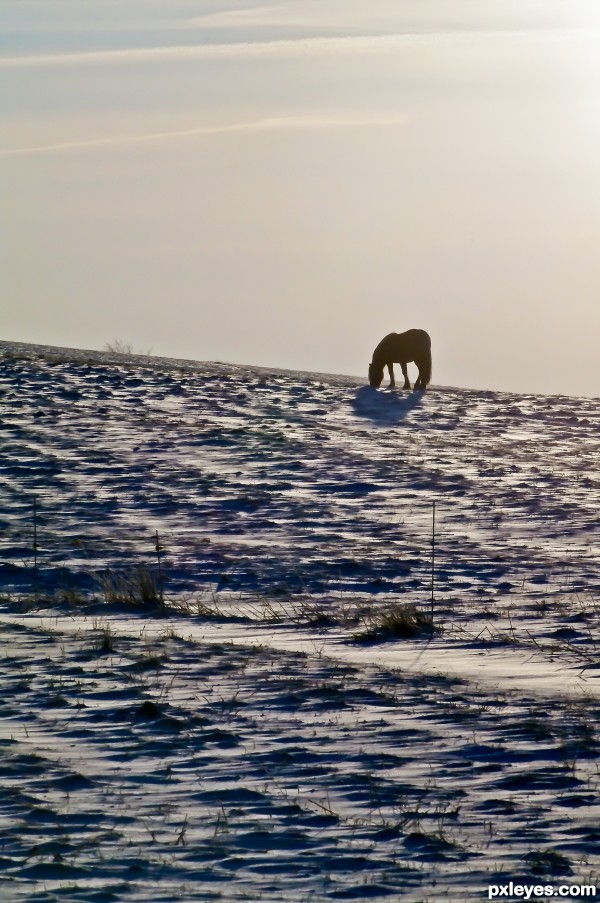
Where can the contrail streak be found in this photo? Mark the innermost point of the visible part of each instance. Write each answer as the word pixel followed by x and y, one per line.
pixel 200 131
pixel 287 47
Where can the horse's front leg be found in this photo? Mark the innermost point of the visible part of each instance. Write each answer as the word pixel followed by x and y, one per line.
pixel 390 367
pixel 405 375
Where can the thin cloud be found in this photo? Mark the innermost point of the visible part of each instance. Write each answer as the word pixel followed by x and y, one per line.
pixel 282 48
pixel 246 49
pixel 256 126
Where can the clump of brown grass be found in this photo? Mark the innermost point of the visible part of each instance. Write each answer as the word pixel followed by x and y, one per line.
pixel 397 621
pixel 137 588
pixel 121 347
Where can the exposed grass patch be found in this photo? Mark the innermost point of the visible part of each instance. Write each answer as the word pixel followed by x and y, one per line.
pixel 151 661
pixel 121 347
pixel 548 862
pixel 106 640
pixel 137 589
pixel 395 622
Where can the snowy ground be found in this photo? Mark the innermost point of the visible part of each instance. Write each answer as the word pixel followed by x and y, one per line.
pixel 259 733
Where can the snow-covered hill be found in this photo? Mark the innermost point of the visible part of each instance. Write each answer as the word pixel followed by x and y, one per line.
pixel 291 511
pixel 259 480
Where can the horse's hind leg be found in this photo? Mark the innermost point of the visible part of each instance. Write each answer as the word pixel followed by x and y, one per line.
pixel 420 383
pixel 405 375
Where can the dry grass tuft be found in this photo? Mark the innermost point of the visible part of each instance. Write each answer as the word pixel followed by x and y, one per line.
pixel 396 621
pixel 135 589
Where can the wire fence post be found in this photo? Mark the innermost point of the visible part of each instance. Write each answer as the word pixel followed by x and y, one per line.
pixel 35 564
pixel 432 561
pixel 160 579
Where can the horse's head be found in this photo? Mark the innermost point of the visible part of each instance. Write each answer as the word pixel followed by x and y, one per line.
pixel 375 375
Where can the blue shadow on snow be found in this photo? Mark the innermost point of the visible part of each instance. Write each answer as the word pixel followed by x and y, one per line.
pixel 385 406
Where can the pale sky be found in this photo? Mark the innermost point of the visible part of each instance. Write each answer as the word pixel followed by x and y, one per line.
pixel 284 183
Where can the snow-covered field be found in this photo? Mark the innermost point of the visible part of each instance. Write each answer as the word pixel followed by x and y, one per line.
pixel 263 708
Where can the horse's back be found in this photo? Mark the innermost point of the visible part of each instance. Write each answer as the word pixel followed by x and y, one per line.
pixel 416 338
pixel 405 344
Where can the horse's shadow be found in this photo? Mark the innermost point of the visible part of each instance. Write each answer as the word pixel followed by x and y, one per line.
pixel 386 407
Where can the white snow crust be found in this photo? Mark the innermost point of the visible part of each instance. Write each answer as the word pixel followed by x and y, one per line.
pixel 251 731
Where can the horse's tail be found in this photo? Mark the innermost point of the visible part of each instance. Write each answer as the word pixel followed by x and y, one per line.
pixel 424 365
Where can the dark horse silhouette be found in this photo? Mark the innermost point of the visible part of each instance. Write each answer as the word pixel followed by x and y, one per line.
pixel 402 348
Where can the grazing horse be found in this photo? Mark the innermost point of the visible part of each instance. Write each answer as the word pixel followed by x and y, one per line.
pixel 402 348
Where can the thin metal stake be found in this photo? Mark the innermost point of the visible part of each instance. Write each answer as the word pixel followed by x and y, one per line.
pixel 432 561
pixel 35 537
pixel 160 582
pixel 35 565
